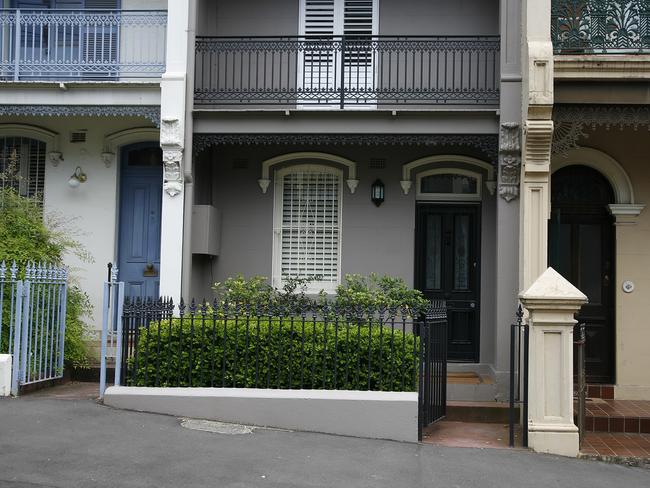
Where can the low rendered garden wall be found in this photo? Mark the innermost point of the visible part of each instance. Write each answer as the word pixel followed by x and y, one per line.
pixel 371 414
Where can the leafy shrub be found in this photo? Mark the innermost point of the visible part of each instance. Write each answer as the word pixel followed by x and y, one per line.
pixel 379 291
pixel 235 353
pixel 357 291
pixel 26 234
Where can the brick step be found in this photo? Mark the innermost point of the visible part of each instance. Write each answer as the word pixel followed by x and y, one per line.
pixel 483 412
pixel 605 392
pixel 623 416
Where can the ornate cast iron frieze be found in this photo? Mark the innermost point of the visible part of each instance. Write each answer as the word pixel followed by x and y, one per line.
pixel 486 144
pixel 149 112
pixel 509 160
pixel 571 122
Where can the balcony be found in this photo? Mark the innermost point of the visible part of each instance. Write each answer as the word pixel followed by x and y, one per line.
pixel 600 26
pixel 101 45
pixel 346 72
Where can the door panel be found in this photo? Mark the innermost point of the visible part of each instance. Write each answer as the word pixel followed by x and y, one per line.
pixel 581 248
pixel 139 227
pixel 447 267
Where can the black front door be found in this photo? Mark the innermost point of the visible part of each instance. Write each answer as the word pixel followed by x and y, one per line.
pixel 448 267
pixel 581 248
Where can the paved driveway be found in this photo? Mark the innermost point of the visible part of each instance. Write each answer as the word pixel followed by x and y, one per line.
pixel 77 443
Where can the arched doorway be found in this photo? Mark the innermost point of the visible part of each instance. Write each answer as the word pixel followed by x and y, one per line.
pixel 141 178
pixel 581 248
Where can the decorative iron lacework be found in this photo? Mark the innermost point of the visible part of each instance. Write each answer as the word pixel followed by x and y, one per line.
pixel 90 44
pixel 572 120
pixel 346 71
pixel 600 26
pixel 487 144
pixel 149 112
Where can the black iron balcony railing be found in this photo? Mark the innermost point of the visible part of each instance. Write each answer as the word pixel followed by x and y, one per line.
pixel 82 44
pixel 343 72
pixel 600 26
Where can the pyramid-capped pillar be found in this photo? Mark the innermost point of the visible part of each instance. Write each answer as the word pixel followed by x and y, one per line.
pixel 551 302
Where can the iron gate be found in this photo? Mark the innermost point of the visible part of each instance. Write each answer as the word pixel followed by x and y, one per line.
pixel 432 390
pixel 32 321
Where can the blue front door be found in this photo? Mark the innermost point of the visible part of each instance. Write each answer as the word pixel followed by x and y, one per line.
pixel 139 225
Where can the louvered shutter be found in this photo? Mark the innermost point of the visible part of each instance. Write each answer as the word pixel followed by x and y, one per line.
pixel 22 162
pixel 323 60
pixel 100 37
pixel 310 226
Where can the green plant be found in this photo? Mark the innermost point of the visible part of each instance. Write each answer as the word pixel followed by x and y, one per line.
pixel 27 234
pixel 376 291
pixel 268 353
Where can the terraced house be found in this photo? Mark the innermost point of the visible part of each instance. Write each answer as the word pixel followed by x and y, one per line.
pixel 463 146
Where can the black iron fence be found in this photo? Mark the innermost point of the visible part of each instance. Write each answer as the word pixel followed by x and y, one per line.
pixel 304 345
pixel 579 377
pixel 346 71
pixel 519 355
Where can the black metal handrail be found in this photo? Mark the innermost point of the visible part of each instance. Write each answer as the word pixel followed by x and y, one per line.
pixel 346 71
pixel 600 26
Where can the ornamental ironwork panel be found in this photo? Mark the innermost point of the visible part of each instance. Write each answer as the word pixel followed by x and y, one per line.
pixel 346 71
pixel 85 44
pixel 600 26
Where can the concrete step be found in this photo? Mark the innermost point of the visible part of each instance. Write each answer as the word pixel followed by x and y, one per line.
pixel 468 392
pixel 484 412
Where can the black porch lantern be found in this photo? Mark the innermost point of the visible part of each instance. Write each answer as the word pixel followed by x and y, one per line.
pixel 377 192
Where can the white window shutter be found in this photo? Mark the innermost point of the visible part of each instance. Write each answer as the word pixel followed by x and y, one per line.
pixel 319 18
pixel 310 226
pixel 359 18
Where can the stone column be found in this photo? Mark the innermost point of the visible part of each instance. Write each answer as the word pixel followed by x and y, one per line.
pixel 551 302
pixel 538 135
pixel 172 131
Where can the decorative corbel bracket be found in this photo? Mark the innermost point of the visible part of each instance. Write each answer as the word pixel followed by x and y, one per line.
pixel 55 158
pixel 509 161
pixel 173 176
pixel 108 158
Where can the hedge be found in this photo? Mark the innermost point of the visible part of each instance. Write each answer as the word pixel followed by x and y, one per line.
pixel 345 357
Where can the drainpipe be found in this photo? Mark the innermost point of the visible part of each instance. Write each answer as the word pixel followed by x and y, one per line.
pixel 188 167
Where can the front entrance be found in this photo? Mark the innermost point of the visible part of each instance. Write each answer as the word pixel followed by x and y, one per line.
pixel 139 228
pixel 448 268
pixel 581 248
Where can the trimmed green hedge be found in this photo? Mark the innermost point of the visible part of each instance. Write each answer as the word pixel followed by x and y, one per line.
pixel 351 357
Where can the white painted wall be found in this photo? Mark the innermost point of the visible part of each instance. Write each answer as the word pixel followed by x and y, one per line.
pixel 89 212
pixel 373 414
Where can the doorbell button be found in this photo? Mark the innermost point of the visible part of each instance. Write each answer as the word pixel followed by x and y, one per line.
pixel 628 286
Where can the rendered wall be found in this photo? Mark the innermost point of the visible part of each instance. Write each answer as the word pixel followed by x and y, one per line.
pixel 373 414
pixel 374 239
pixel 415 17
pixel 87 213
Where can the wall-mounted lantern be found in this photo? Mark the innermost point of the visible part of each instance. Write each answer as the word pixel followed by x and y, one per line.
pixel 77 178
pixel 377 193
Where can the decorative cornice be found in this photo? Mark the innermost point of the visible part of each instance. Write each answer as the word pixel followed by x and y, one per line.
pixel 149 112
pixel 572 120
pixel 487 144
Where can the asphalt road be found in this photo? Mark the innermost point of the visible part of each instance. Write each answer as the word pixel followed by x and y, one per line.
pixel 65 443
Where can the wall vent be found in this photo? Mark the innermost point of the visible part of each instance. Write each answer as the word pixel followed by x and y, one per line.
pixel 240 163
pixel 78 136
pixel 377 163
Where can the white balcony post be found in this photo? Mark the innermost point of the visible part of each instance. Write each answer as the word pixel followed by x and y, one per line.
pixel 172 141
pixel 551 302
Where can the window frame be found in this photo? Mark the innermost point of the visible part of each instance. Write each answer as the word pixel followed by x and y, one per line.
pixel 420 195
pixel 277 280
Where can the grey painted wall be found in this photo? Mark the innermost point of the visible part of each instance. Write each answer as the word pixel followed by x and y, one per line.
pixel 397 17
pixel 380 240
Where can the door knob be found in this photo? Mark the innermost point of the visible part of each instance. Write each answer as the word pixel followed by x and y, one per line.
pixel 150 270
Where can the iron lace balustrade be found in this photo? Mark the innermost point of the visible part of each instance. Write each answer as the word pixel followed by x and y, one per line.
pixel 343 72
pixel 600 26
pixel 82 44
